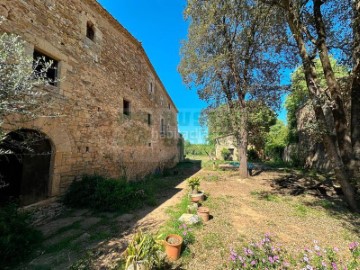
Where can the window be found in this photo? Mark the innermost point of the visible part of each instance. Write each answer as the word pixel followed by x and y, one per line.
pixel 151 88
pixel 126 107
pixel 149 119
pixel 41 62
pixel 161 100
pixel 90 31
pixel 162 127
pixel 169 106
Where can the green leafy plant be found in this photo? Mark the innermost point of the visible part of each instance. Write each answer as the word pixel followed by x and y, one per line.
pixel 194 183
pixel 225 153
pixel 97 192
pixel 17 237
pixel 145 249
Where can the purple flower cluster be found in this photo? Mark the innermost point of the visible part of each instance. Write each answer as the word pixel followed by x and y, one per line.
pixel 260 255
pixel 353 246
pixel 265 255
pixel 187 234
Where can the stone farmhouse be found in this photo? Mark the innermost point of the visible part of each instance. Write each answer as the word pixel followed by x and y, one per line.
pixel 226 142
pixel 108 114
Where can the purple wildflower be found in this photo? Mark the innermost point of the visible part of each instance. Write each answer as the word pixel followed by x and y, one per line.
pixel 353 245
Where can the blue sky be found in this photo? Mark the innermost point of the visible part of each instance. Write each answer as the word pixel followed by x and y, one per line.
pixel 160 27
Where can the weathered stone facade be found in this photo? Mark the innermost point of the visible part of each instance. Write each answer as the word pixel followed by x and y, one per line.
pixel 93 132
pixel 310 150
pixel 228 142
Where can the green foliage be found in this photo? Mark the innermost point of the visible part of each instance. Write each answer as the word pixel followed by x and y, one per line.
pixel 225 153
pixel 198 149
pixel 103 194
pixel 253 155
pixel 260 119
pixel 276 141
pixel 143 247
pixel 265 195
pixel 174 226
pixel 18 238
pixel 194 183
pixel 299 93
pixel 18 76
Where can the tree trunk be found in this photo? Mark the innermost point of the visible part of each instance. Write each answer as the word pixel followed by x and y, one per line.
pixel 329 138
pixel 355 95
pixel 338 109
pixel 242 144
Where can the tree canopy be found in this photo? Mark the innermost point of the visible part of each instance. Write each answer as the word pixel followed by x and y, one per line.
pixel 299 95
pixel 229 59
pixel 260 119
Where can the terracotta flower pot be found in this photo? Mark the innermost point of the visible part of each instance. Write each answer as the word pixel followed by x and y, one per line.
pixel 204 213
pixel 198 197
pixel 173 243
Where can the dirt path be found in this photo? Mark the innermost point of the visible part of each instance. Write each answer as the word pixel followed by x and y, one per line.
pixel 242 209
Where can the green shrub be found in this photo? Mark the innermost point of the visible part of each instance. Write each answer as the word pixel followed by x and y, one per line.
pixel 253 155
pixel 97 192
pixel 17 237
pixel 226 154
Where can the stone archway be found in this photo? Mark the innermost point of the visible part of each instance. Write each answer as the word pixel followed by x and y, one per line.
pixel 25 166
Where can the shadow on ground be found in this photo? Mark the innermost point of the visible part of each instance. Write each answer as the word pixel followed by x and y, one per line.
pixel 85 239
pixel 326 193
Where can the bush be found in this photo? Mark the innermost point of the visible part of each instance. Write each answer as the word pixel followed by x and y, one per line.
pixel 226 154
pixel 17 237
pixel 97 192
pixel 253 155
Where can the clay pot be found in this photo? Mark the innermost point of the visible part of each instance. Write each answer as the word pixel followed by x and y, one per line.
pixel 198 197
pixel 204 213
pixel 173 243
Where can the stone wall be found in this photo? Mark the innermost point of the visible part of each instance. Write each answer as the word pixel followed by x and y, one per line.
pixel 310 150
pixel 90 132
pixel 228 142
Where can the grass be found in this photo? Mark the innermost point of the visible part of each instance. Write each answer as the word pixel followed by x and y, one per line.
pixel 66 243
pixel 211 178
pixel 174 226
pixel 301 210
pixel 18 238
pixel 265 195
pixel 100 236
pixel 213 241
pixel 75 225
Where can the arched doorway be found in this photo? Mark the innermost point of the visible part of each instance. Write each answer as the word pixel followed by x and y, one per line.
pixel 25 166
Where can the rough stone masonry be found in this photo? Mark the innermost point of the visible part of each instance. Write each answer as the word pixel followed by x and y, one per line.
pixel 113 114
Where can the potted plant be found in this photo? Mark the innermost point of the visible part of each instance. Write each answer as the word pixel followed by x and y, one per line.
pixel 194 183
pixel 143 252
pixel 195 194
pixel 173 244
pixel 204 213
